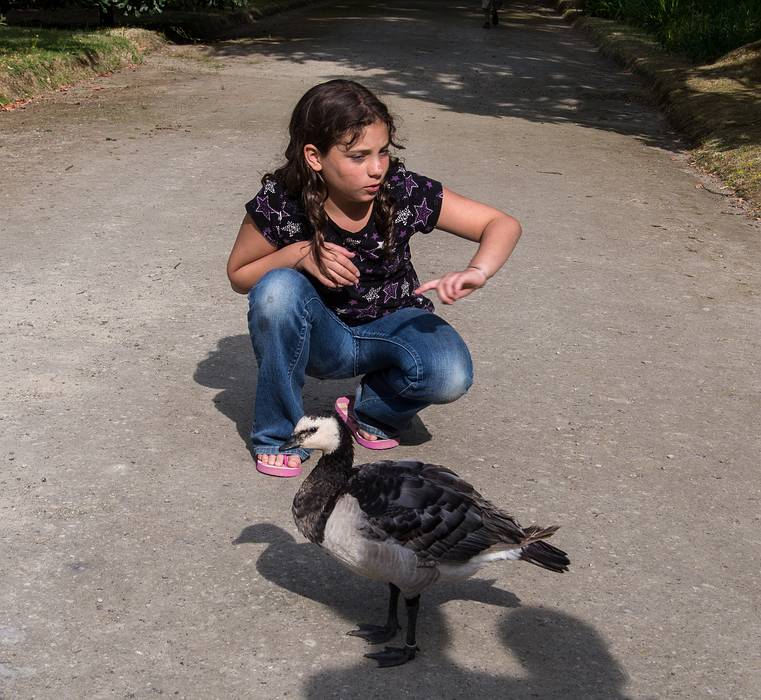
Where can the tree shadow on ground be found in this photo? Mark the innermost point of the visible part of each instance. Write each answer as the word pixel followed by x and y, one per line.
pixel 530 67
pixel 560 655
pixel 724 101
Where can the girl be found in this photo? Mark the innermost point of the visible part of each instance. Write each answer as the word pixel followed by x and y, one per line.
pixel 323 254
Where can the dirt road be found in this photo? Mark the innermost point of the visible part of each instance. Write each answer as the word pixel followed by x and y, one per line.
pixel 617 380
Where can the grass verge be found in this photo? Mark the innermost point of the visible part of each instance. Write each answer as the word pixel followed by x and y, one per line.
pixel 36 60
pixel 716 105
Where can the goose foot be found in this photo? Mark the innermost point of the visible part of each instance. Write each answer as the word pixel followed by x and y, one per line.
pixel 375 634
pixel 393 656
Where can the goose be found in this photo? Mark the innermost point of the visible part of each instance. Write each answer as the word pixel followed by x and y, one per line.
pixel 403 522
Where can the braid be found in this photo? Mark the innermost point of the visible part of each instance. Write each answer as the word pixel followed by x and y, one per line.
pixel 384 213
pixel 314 194
pixel 334 112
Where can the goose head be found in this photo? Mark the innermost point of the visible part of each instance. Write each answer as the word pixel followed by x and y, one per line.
pixel 316 433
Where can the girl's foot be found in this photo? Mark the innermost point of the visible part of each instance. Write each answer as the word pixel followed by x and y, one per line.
pixel 367 440
pixel 278 465
pixel 292 461
pixel 366 435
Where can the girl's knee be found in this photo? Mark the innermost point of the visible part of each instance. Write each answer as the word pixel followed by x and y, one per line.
pixel 452 384
pixel 279 293
pixel 446 377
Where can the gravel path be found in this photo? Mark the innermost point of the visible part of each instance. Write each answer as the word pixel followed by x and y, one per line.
pixel 617 390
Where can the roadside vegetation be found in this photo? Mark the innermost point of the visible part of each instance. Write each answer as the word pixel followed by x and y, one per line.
pixel 702 60
pixel 702 30
pixel 34 60
pixel 46 44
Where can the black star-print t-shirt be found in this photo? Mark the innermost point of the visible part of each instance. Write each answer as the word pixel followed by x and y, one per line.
pixel 386 283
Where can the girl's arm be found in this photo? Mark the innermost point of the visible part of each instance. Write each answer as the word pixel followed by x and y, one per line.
pixel 495 232
pixel 253 256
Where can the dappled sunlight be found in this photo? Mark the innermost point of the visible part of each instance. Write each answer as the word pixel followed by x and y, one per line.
pixel 526 68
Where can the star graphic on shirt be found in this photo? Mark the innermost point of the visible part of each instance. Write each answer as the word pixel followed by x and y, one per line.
pixel 403 215
pixel 263 206
pixel 372 294
pixel 389 292
pixel 405 288
pixel 428 184
pixel 292 228
pixel 269 187
pixel 422 212
pixel 409 184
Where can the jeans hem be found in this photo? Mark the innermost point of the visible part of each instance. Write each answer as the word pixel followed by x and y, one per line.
pixel 366 426
pixel 372 430
pixel 270 450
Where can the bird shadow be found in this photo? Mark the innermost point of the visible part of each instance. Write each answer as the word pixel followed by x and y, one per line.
pixel 302 568
pixel 231 367
pixel 559 655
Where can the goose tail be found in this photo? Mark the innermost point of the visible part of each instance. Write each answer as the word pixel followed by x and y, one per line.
pixel 536 551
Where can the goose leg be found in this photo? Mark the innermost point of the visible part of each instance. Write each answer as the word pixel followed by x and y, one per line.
pixel 394 656
pixel 377 634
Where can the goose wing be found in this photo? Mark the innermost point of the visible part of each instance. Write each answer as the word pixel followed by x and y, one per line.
pixel 430 510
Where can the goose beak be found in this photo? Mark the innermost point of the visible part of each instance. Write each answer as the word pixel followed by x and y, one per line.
pixel 293 442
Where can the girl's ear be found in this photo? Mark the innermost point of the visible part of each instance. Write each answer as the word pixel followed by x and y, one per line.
pixel 312 157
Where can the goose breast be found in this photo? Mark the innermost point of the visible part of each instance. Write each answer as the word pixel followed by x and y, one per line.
pixel 348 538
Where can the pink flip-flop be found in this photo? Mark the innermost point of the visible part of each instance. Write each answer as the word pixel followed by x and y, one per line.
pixel 282 470
pixel 343 405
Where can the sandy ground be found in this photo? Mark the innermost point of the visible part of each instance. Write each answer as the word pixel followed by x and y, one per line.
pixel 617 380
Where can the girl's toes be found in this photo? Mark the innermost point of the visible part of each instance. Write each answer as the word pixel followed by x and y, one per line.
pixel 294 461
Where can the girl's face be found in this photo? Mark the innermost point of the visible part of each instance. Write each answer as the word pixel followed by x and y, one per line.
pixel 353 174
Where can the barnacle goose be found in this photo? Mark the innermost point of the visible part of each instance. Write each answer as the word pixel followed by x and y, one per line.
pixel 407 523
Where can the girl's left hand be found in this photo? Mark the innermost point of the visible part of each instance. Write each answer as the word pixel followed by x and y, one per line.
pixel 455 285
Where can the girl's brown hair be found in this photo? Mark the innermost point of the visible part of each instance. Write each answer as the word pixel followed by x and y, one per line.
pixel 330 113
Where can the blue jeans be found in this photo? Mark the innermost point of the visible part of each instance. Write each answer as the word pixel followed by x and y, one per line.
pixel 410 359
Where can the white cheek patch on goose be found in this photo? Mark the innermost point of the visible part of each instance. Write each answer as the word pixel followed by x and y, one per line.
pixel 326 436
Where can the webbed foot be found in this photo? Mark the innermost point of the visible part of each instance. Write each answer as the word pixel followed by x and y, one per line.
pixel 393 656
pixel 375 634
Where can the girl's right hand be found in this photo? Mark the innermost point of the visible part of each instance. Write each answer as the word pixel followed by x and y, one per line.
pixel 341 271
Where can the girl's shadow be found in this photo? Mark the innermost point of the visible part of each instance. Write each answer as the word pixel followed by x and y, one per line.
pixel 232 368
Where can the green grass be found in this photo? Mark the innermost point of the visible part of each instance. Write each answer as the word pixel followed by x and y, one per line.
pixel 34 60
pixel 37 60
pixel 703 30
